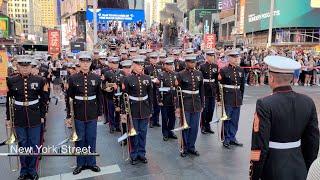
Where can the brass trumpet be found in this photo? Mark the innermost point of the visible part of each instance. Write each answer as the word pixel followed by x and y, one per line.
pixel 109 87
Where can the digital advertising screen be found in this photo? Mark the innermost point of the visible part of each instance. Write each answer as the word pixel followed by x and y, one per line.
pixel 121 4
pixel 287 13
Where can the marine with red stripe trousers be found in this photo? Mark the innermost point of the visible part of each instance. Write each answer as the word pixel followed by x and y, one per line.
pixel 85 90
pixel 233 81
pixel 285 135
pixel 139 88
pixel 28 95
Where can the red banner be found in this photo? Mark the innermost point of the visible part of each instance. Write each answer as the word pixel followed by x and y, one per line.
pixel 210 41
pixel 54 42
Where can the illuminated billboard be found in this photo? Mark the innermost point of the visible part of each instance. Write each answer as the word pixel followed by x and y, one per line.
pixel 121 4
pixel 287 13
pixel 4 27
pixel 127 16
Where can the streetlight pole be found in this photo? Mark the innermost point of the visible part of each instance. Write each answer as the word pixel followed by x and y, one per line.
pixel 95 26
pixel 270 23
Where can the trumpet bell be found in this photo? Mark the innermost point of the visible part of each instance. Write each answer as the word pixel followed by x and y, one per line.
pixel 132 132
pixel 74 137
pixel 12 139
pixel 185 126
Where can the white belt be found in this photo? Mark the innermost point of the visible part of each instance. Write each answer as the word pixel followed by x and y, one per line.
pixel 26 103
pixel 85 98
pixel 118 94
pixel 209 80
pixel 138 98
pixel 231 86
pixel 190 92
pixel 288 145
pixel 166 89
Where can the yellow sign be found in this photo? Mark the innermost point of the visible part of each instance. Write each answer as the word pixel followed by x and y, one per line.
pixel 3 72
pixel 315 3
pixel 318 48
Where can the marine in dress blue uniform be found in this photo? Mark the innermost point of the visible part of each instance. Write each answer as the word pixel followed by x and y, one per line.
pixel 85 90
pixel 191 82
pixel 153 71
pixel 139 88
pixel 29 98
pixel 167 98
pixel 232 81
pixel 285 133
pixel 210 74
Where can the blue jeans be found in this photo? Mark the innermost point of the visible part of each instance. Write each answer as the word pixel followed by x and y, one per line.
pixel 138 142
pixel 190 135
pixel 207 113
pixel 231 126
pixel 87 132
pixel 28 137
pixel 168 120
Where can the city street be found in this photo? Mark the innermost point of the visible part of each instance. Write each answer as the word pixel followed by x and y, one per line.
pixel 164 161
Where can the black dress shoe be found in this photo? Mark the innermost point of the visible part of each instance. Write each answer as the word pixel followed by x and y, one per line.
pixel 203 131
pixel 77 170
pixel 94 168
pixel 133 161
pixel 165 138
pixel 226 145
pixel 150 125
pixel 236 143
pixel 111 130
pixel 124 143
pixel 143 159
pixel 23 177
pixel 183 154
pixel 157 125
pixel 209 131
pixel 34 177
pixel 173 136
pixel 194 152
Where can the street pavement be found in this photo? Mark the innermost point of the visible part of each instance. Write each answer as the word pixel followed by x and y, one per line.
pixel 214 162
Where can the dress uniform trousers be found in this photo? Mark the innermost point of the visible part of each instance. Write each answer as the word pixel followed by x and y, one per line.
pixel 231 126
pixel 28 137
pixel 138 142
pixel 113 116
pixel 190 134
pixel 87 132
pixel 106 109
pixel 168 120
pixel 207 113
pixel 156 112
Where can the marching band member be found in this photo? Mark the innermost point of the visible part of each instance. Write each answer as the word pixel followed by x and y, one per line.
pixel 112 76
pixel 210 74
pixel 191 82
pixel 153 71
pixel 168 95
pixel 232 80
pixel 139 88
pixel 29 98
pixel 85 90
pixel 285 134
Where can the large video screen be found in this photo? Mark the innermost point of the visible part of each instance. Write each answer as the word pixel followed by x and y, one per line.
pixel 121 4
pixel 287 13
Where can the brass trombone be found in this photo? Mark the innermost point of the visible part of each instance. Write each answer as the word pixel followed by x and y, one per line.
pixel 224 116
pixel 183 121
pixel 130 128
pixel 74 136
pixel 12 138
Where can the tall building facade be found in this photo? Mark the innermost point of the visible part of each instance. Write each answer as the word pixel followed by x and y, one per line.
pixel 48 13
pixel 153 9
pixel 19 10
pixel 3 7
